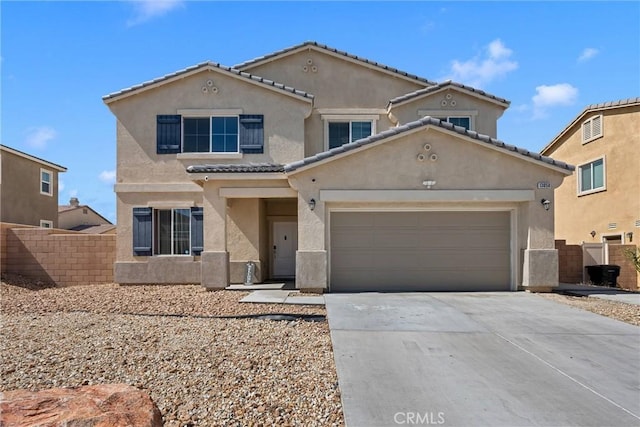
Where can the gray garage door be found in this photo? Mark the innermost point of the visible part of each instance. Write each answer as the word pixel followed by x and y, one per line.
pixel 420 251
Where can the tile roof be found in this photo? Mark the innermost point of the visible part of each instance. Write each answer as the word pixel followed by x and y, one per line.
pixel 237 168
pixel 269 56
pixel 439 86
pixel 210 65
pixel 425 121
pixel 590 108
pixel 93 229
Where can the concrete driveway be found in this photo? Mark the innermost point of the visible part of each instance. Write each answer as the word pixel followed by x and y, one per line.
pixel 498 359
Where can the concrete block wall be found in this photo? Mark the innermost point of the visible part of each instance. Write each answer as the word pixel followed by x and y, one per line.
pixel 628 278
pixel 569 262
pixel 59 256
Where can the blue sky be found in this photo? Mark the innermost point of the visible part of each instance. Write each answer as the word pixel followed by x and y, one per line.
pixel 58 59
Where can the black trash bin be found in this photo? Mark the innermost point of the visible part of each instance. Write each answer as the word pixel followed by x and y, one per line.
pixel 603 275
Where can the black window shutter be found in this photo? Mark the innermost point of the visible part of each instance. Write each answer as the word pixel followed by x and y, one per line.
pixel 197 231
pixel 168 133
pixel 142 231
pixel 252 133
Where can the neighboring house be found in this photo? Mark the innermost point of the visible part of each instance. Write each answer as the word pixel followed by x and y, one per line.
pixel 600 203
pixel 28 189
pixel 77 217
pixel 332 169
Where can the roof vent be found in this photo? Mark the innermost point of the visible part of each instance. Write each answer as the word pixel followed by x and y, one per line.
pixel 613 226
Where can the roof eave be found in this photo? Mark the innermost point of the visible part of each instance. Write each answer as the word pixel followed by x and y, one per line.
pixel 44 162
pixel 208 66
pixel 500 103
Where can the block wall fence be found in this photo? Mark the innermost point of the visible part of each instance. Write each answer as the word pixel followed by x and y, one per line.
pixel 60 257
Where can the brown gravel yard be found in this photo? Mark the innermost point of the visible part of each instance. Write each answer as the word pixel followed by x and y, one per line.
pixel 628 313
pixel 200 371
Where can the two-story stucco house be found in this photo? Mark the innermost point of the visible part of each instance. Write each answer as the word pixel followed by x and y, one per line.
pixel 337 171
pixel 28 189
pixel 601 202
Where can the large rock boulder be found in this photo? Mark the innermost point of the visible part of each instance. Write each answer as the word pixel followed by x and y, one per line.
pixel 106 405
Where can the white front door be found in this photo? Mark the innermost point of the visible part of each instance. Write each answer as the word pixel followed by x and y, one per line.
pixel 285 244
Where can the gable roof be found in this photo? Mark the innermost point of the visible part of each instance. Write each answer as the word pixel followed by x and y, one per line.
pixel 62 209
pixel 334 52
pixel 629 102
pixel 413 126
pixel 212 66
pixel 33 158
pixel 412 96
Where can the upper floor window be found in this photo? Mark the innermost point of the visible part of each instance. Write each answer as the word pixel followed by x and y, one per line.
pixel 465 122
pixel 210 134
pixel 591 177
pixel 44 223
pixel 592 129
pixel 340 133
pixel 463 118
pixel 46 186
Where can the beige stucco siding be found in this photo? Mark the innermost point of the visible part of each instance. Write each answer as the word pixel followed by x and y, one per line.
pixel 136 128
pixel 337 84
pixel 79 216
pixel 451 102
pixel 576 216
pixel 21 200
pixel 461 165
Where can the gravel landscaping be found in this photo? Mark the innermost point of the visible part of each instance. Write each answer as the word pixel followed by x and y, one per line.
pixel 200 370
pixel 628 313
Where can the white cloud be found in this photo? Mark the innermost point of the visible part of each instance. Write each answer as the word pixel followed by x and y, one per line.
pixel 146 10
pixel 587 54
pixel 73 193
pixel 561 94
pixel 108 176
pixel 39 137
pixel 493 63
pixel 60 186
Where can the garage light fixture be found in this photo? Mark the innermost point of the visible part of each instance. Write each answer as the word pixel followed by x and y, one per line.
pixel 312 204
pixel 546 203
pixel 630 236
pixel 593 233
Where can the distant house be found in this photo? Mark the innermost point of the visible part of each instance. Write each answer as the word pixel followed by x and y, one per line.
pixel 349 175
pixel 600 203
pixel 83 218
pixel 28 189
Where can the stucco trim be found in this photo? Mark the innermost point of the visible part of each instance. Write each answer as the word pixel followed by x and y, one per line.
pixel 208 156
pixel 257 192
pixel 427 195
pixel 208 112
pixel 352 111
pixel 186 187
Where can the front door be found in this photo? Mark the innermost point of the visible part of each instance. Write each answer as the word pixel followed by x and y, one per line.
pixel 285 244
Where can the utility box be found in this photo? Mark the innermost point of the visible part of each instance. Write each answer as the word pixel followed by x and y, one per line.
pixel 603 275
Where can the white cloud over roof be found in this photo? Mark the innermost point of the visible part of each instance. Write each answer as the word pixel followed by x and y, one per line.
pixel 493 63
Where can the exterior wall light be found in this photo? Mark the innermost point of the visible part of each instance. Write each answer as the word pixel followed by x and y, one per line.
pixel 546 203
pixel 312 204
pixel 593 233
pixel 630 236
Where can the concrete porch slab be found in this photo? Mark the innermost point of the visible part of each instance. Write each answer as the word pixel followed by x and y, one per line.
pixel 277 296
pixel 259 286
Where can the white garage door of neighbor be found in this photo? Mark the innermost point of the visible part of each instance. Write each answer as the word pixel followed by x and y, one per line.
pixel 420 251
